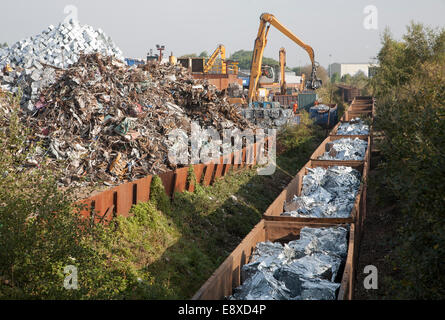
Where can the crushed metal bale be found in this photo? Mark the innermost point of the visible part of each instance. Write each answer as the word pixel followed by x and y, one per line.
pixel 355 126
pixel 326 193
pixel 345 149
pixel 304 269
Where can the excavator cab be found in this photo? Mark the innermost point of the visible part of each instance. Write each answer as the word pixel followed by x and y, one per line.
pixel 268 71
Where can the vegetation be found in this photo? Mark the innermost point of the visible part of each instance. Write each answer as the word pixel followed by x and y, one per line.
pixel 359 80
pixel 410 89
pixel 322 74
pixel 245 59
pixel 203 54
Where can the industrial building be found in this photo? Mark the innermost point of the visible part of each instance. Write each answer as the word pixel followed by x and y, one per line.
pixel 350 68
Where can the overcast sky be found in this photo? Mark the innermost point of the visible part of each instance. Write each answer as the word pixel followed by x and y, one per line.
pixel 331 27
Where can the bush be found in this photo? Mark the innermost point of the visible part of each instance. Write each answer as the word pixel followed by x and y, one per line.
pixel 41 232
pixel 301 136
pixel 410 91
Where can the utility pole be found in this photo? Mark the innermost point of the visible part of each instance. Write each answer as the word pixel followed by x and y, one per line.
pixel 160 48
pixel 330 78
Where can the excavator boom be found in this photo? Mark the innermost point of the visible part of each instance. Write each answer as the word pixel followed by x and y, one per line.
pixel 266 20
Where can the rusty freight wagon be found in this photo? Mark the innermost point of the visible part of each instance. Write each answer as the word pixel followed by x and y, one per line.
pixel 294 188
pixel 228 276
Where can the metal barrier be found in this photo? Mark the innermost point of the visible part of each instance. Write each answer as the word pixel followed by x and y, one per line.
pixel 117 201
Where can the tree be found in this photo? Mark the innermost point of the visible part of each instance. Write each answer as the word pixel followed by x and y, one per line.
pixel 346 79
pixel 4 45
pixel 297 70
pixel 204 54
pixel 190 55
pixel 245 59
pixel 322 74
pixel 410 93
pixel 335 77
pixel 359 80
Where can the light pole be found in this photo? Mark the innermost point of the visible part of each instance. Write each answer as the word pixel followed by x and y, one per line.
pixel 330 67
pixel 160 48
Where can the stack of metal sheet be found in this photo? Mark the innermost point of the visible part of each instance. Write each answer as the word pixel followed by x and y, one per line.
pixel 345 149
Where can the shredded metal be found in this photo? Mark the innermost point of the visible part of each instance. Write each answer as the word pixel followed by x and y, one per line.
pixel 326 193
pixel 354 127
pixel 345 149
pixel 304 269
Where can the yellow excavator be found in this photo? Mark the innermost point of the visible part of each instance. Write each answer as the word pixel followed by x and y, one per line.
pixel 220 51
pixel 266 20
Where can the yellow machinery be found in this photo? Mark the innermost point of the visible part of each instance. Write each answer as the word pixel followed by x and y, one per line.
pixel 303 80
pixel 172 59
pixel 283 75
pixel 226 66
pixel 266 20
pixel 283 70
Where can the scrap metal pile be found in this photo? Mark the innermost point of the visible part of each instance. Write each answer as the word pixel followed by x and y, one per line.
pixel 326 193
pixel 30 64
pixel 345 149
pixel 354 127
pixel 321 107
pixel 110 122
pixel 304 269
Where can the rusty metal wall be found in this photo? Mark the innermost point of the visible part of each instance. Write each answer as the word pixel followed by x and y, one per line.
pixel 102 207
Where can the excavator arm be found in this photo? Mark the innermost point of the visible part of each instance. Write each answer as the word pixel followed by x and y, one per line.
pixel 266 20
pixel 283 70
pixel 221 50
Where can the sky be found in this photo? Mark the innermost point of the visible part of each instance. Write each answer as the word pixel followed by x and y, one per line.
pixel 341 31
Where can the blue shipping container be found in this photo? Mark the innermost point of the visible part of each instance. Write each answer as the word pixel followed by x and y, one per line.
pixel 131 62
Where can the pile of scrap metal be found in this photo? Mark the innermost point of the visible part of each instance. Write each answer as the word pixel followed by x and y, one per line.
pixel 326 193
pixel 109 123
pixel 304 269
